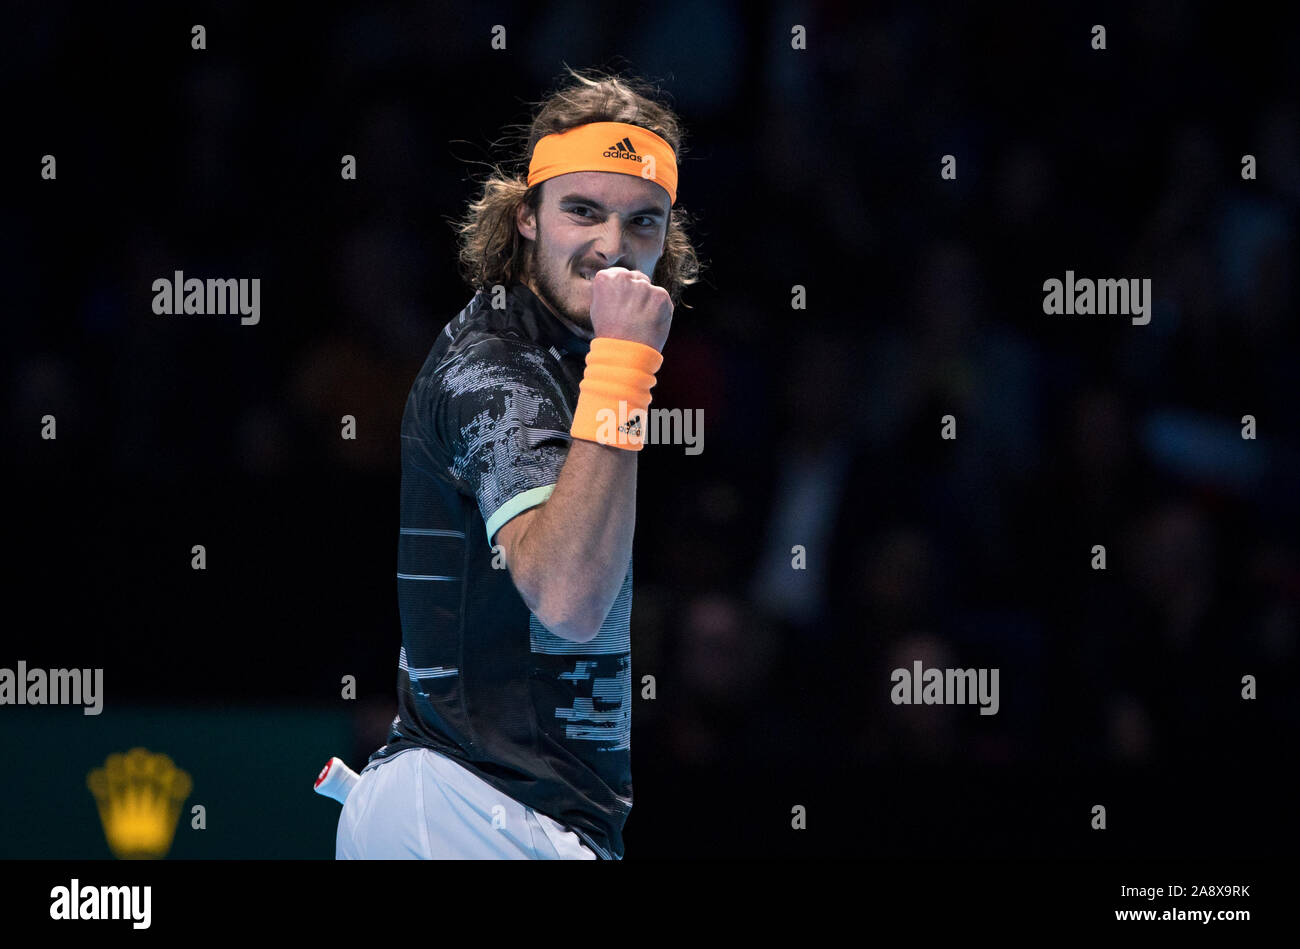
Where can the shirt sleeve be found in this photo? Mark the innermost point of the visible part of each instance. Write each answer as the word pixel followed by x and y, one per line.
pixel 504 421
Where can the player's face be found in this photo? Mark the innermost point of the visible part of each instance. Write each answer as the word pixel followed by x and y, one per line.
pixel 587 221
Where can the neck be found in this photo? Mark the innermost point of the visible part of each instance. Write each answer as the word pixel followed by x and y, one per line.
pixel 574 328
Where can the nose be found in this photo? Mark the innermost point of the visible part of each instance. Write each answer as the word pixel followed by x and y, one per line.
pixel 609 245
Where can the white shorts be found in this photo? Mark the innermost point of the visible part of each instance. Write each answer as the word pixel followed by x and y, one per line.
pixel 420 805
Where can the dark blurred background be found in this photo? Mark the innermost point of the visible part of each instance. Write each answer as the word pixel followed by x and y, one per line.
pixel 819 168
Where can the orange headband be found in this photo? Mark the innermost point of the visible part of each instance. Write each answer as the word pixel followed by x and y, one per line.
pixel 606 146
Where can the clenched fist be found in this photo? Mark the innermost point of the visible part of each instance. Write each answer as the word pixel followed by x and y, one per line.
pixel 626 305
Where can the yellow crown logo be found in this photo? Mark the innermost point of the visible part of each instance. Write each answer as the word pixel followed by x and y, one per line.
pixel 139 796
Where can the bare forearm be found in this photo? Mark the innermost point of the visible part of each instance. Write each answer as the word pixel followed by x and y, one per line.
pixel 573 557
pixel 570 558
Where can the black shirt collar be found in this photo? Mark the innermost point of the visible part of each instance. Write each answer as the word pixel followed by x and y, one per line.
pixel 542 324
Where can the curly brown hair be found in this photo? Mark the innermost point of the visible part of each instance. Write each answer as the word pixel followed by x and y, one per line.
pixel 492 251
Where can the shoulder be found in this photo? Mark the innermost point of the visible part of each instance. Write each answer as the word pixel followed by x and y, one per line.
pixel 501 330
pixel 485 359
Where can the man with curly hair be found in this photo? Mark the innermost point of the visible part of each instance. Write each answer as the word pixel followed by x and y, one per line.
pixel 518 500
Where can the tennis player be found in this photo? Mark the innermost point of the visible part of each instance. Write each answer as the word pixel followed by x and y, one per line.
pixel 518 501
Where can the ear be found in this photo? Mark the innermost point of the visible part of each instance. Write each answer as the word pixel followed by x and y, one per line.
pixel 526 221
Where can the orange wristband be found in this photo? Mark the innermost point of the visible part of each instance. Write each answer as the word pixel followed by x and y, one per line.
pixel 615 393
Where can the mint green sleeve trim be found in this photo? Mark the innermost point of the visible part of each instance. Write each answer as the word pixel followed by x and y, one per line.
pixel 517 505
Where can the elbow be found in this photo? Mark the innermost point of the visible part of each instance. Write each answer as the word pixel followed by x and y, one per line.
pixel 572 621
pixel 579 633
pixel 572 614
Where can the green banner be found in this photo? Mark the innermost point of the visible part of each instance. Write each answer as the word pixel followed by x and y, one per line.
pixel 250 770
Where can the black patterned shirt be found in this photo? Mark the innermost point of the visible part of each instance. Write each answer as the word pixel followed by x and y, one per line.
pixel 484 436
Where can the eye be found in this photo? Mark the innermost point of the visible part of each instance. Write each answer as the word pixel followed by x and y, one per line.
pixel 575 210
pixel 649 221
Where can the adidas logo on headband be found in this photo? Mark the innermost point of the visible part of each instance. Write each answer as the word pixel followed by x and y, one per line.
pixel 578 149
pixel 622 149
